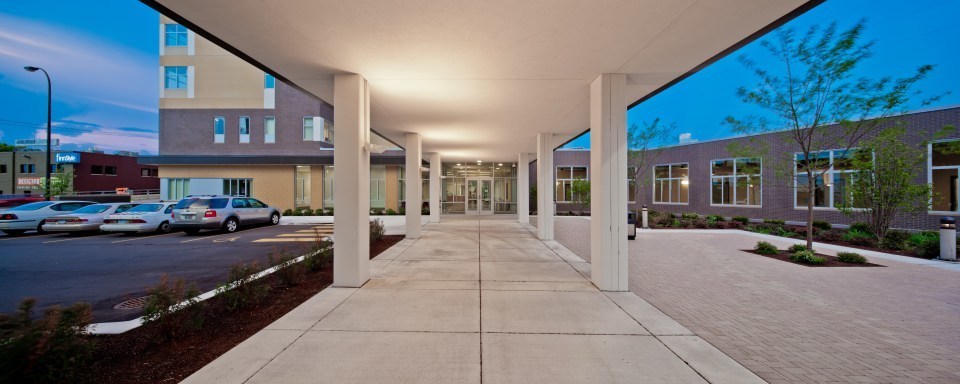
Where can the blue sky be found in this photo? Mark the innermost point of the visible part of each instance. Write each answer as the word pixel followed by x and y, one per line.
pixel 103 61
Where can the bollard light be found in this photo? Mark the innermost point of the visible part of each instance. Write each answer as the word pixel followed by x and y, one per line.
pixel 646 218
pixel 631 225
pixel 948 239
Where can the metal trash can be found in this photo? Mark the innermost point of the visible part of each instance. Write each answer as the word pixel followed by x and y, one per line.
pixel 631 225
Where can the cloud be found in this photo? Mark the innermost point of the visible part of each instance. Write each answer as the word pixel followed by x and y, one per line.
pixel 106 139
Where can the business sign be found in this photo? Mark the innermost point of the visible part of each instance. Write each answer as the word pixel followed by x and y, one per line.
pixel 123 191
pixel 66 158
pixel 28 181
pixel 31 142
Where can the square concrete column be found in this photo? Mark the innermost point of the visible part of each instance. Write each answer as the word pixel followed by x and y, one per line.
pixel 523 188
pixel 545 187
pixel 351 191
pixel 436 169
pixel 608 182
pixel 414 185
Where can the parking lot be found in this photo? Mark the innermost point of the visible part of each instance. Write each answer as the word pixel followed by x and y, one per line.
pixel 107 269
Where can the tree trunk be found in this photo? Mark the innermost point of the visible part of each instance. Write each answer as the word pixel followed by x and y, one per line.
pixel 811 184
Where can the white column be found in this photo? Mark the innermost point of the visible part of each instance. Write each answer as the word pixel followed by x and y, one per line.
pixel 545 187
pixel 523 188
pixel 608 182
pixel 351 191
pixel 414 185
pixel 436 169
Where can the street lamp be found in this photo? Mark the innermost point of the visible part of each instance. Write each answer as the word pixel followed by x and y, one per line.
pixel 49 111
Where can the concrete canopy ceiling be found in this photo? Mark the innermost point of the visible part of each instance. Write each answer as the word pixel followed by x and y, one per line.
pixel 480 79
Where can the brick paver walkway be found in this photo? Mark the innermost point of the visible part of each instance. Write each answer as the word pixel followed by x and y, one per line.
pixel 794 324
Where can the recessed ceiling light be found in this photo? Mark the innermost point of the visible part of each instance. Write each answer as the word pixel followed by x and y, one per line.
pixel 479 162
pixel 458 164
pixel 500 164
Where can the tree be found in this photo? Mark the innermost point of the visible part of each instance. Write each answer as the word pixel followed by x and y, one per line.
pixel 580 189
pixel 4 147
pixel 645 145
pixel 813 88
pixel 61 183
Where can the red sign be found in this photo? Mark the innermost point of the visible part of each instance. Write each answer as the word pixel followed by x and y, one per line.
pixel 123 191
pixel 28 181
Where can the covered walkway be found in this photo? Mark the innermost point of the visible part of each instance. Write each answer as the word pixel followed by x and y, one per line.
pixel 475 299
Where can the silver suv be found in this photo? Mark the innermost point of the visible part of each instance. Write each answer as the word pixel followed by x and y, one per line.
pixel 226 213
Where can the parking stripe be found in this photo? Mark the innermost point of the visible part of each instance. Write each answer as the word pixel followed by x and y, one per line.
pixel 206 238
pixel 144 237
pixel 284 240
pixel 69 239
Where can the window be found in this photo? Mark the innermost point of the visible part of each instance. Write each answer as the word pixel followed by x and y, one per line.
pixel 269 82
pixel 307 129
pixel 944 163
pixel 238 187
pixel 178 188
pixel 96 169
pixel 735 182
pixel 175 35
pixel 240 203
pixel 328 187
pixel 269 129
pixel 3 168
pixel 244 125
pixel 219 127
pixel 671 183
pixel 564 182
pixel 28 168
pixel 110 170
pixel 327 131
pixel 175 77
pixel 378 186
pixel 834 174
pixel 149 172
pixel 301 193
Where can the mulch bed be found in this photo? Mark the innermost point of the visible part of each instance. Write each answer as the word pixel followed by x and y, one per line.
pixel 139 356
pixel 831 260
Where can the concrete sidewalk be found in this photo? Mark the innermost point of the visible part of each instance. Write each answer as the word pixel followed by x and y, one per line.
pixel 475 300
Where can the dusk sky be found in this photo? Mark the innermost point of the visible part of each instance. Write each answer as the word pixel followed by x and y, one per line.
pixel 103 62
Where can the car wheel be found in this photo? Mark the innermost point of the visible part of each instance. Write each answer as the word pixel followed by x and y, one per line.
pixel 12 232
pixel 274 218
pixel 164 227
pixel 40 228
pixel 191 231
pixel 231 225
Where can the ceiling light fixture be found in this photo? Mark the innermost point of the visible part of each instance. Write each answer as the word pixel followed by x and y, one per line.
pixel 500 164
pixel 479 162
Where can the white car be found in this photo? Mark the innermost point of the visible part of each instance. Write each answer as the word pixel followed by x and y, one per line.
pixel 30 217
pixel 86 219
pixel 146 217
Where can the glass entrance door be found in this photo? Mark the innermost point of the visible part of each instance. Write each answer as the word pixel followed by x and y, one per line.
pixel 479 196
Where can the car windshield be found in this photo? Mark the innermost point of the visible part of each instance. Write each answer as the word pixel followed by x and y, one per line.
pixel 146 208
pixel 96 208
pixel 32 206
pixel 202 203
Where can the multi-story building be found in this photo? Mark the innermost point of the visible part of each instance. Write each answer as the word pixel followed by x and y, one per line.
pixel 22 172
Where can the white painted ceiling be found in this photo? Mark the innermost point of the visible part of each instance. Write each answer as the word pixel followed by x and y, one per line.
pixel 480 79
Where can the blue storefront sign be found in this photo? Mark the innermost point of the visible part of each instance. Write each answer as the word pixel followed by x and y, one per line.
pixel 67 158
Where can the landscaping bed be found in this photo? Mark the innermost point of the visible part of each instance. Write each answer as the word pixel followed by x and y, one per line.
pixel 831 261
pixel 800 254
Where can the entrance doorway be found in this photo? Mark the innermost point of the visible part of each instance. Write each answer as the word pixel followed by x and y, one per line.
pixel 479 196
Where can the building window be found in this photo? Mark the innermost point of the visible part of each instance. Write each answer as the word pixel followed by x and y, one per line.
pixel 109 170
pixel 3 168
pixel 735 182
pixel 564 182
pixel 175 35
pixel 28 168
pixel 244 125
pixel 834 175
pixel 96 169
pixel 269 82
pixel 269 129
pixel 671 183
pixel 178 188
pixel 149 172
pixel 238 187
pixel 944 164
pixel 328 186
pixel 378 186
pixel 327 131
pixel 307 129
pixel 301 194
pixel 175 77
pixel 218 129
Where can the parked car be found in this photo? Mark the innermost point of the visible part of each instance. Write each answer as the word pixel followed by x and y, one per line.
pixel 146 217
pixel 226 213
pixel 86 219
pixel 30 217
pixel 10 201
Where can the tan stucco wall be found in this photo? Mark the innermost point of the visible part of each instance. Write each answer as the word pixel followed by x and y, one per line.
pixel 393 187
pixel 273 184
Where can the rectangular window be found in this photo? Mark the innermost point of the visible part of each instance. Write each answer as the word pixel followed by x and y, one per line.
pixel 3 168
pixel 671 183
pixel 735 182
pixel 564 182
pixel 328 186
pixel 238 187
pixel 175 35
pixel 244 125
pixel 110 170
pixel 269 82
pixel 301 193
pixel 96 169
pixel 834 174
pixel 219 127
pixel 178 188
pixel 175 77
pixel 28 168
pixel 269 129
pixel 149 172
pixel 327 131
pixel 308 129
pixel 944 165
pixel 378 186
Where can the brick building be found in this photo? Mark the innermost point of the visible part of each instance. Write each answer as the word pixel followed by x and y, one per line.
pixel 22 172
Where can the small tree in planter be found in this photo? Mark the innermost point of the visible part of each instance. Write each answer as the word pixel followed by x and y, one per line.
pixel 580 189
pixel 645 145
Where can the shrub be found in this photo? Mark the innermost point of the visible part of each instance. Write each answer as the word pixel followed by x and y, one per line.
pixel 822 225
pixel 759 229
pixel 784 232
pixel 807 257
pixel 741 219
pixel 861 227
pixel 765 248
pixel 774 221
pixel 676 223
pixel 162 308
pixel 391 212
pixel 732 225
pixel 700 223
pixel 858 237
pixel 830 236
pixel 288 272
pixel 671 215
pixel 376 230
pixel 320 255
pixel 51 348
pixel 245 291
pixel 689 216
pixel 925 244
pixel 288 212
pixel 851 257
pixel 319 212
pixel 797 248
pixel 896 240
pixel 718 218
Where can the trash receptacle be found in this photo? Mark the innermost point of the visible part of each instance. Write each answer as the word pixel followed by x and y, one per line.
pixel 631 225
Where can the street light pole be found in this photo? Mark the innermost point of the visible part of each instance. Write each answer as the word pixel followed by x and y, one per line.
pixel 49 116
